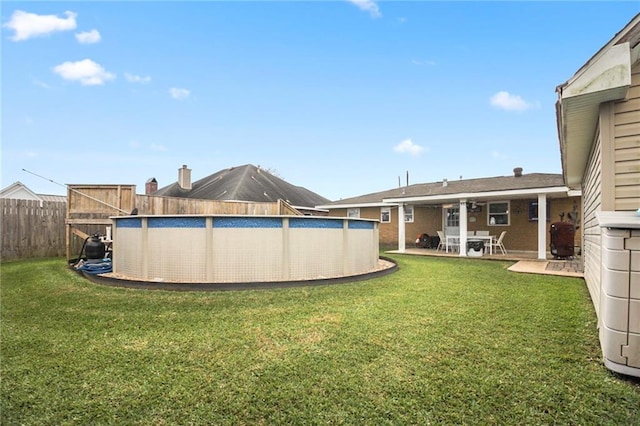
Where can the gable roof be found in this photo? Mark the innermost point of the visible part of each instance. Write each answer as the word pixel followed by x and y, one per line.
pixel 245 183
pixel 20 191
pixel 526 184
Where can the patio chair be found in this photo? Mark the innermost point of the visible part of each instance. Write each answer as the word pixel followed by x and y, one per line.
pixel 442 242
pixel 453 242
pixel 482 233
pixel 499 244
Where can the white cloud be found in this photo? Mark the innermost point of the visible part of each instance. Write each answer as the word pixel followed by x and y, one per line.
pixel 132 78
pixel 369 6
pixel 28 25
pixel 177 93
pixel 88 37
pixel 87 72
pixel 407 146
pixel 509 102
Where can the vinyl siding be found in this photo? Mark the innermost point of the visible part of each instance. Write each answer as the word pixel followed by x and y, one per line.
pixel 592 202
pixel 626 147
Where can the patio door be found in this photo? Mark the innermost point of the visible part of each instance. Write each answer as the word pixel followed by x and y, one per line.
pixel 451 219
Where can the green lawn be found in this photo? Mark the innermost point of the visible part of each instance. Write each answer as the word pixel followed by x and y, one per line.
pixel 442 341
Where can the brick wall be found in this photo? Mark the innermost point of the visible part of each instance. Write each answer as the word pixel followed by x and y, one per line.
pixel 522 234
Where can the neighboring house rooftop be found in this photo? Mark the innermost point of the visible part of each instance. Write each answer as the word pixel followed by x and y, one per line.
pixel 447 189
pixel 20 191
pixel 243 183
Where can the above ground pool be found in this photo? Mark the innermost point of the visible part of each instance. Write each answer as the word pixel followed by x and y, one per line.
pixel 242 249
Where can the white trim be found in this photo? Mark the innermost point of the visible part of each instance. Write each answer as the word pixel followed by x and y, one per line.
pixel 611 70
pixel 310 208
pixel 354 205
pixel 476 195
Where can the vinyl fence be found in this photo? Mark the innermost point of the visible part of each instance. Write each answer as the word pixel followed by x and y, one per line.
pixel 32 229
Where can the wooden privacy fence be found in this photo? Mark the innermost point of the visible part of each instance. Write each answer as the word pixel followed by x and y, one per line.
pixel 32 229
pixel 90 206
pixel 149 204
pixel 52 228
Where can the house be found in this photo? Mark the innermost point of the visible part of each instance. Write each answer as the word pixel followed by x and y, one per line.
pixel 243 183
pixel 20 191
pixel 598 118
pixel 503 203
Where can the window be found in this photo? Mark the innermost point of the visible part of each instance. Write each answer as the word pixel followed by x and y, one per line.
pixel 498 213
pixel 408 214
pixel 385 214
pixel 533 210
pixel 452 216
pixel 354 212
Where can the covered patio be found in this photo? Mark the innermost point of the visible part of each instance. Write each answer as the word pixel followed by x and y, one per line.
pixel 524 261
pixel 522 208
pixel 464 204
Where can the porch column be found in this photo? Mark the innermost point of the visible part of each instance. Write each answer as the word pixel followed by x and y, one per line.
pixel 401 230
pixel 463 227
pixel 542 226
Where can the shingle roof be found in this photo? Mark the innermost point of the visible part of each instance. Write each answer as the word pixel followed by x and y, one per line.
pixel 466 186
pixel 50 197
pixel 245 183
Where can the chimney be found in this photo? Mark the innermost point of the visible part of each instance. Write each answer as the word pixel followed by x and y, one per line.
pixel 184 177
pixel 445 182
pixel 150 186
pixel 517 172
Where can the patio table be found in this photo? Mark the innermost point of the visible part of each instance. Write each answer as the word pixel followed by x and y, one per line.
pixel 450 239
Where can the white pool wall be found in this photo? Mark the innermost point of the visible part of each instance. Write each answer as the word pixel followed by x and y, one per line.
pixel 228 249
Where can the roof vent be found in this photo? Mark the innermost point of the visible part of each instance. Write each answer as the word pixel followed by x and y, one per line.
pixel 517 172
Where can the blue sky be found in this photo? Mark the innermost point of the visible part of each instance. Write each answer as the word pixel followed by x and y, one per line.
pixel 341 97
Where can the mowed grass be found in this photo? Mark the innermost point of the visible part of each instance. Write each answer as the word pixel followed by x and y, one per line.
pixel 442 341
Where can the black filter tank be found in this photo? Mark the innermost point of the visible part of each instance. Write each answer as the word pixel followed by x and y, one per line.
pixel 94 249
